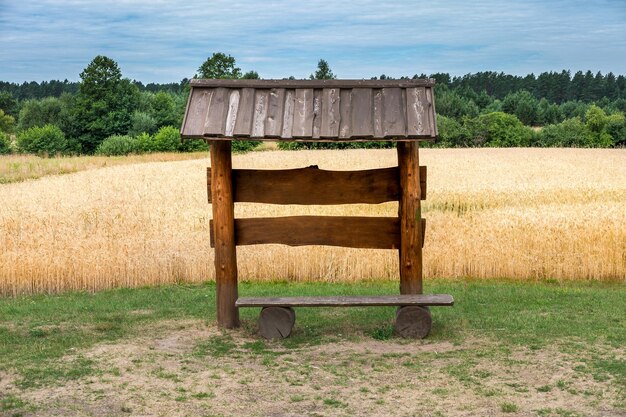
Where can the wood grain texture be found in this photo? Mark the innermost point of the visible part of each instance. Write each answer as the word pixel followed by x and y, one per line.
pixel 415 111
pixel 197 110
pixel 413 322
pixel 353 232
pixel 312 185
pixel 423 181
pixel 243 123
pixel 432 115
pixel 311 83
pixel 276 322
pixel 315 186
pixel 361 113
pixel 330 110
pixel 349 301
pixel 261 99
pixel 223 234
pixel 377 115
pixel 303 114
pixel 409 212
pixel 218 109
pixel 345 113
pixel 394 123
pixel 317 113
pixel 274 119
pixel 326 114
pixel 233 108
pixel 290 103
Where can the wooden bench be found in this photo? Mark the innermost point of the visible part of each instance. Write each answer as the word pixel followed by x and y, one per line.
pixel 399 111
pixel 413 319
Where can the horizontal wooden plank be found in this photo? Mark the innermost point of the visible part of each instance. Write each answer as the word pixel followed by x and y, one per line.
pixel 427 82
pixel 348 301
pixel 317 186
pixel 352 231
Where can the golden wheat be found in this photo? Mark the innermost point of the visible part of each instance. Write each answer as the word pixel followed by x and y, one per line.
pixel 514 213
pixel 18 167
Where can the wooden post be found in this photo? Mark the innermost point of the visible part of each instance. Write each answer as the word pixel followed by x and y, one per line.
pixel 224 233
pixel 410 215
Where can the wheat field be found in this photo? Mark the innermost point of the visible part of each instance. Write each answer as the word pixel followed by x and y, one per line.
pixel 492 213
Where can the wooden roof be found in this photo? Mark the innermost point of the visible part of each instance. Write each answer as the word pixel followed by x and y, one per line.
pixel 311 110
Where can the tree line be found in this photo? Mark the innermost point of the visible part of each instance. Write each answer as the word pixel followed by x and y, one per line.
pixel 109 114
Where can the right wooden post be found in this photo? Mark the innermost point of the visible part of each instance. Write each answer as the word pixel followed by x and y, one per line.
pixel 409 211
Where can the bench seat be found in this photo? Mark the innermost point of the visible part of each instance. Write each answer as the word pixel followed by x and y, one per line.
pixel 348 301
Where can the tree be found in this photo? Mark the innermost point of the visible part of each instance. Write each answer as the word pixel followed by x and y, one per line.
pixel 105 103
pixel 142 123
pixel 39 113
pixel 451 104
pixel 523 105
pixel 5 144
pixel 8 104
pixel 549 113
pixel 251 75
pixel 6 122
pixel 219 65
pixel 323 72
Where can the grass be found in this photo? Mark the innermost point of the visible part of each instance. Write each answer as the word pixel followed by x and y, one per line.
pixel 39 333
pixel 18 168
pixel 524 214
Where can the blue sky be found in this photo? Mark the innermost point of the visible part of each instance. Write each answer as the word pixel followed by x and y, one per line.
pixel 164 41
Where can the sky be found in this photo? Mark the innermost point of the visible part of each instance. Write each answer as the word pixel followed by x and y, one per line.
pixel 165 41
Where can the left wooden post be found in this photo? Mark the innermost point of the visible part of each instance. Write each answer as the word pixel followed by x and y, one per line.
pixel 224 233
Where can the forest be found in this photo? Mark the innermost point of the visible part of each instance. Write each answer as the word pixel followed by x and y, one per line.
pixel 108 114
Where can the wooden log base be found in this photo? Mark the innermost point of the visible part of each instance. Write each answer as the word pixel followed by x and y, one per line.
pixel 276 322
pixel 413 322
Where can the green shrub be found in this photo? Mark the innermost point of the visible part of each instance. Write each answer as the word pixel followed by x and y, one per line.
pixel 616 128
pixel 5 144
pixel 570 132
pixel 244 145
pixel 451 133
pixel 116 145
pixel 291 146
pixel 167 139
pixel 193 145
pixel 145 143
pixel 498 129
pixel 46 140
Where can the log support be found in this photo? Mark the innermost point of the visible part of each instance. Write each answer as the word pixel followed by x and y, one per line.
pixel 413 322
pixel 276 322
pixel 409 211
pixel 224 234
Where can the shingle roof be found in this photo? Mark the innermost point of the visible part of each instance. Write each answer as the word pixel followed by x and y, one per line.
pixel 311 110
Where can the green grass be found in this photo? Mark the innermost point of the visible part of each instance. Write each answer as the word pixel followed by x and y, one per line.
pixel 37 331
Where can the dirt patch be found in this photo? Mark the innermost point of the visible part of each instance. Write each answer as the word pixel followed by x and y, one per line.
pixel 189 368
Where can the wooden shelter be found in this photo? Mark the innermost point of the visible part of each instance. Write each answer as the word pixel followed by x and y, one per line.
pixel 400 111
